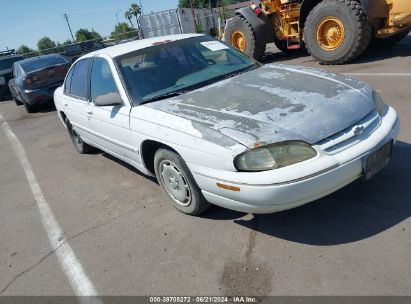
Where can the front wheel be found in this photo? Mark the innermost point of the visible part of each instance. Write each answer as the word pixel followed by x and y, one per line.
pixel 239 34
pixel 177 182
pixel 337 31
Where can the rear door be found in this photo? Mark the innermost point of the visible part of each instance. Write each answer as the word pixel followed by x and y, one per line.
pixel 110 125
pixel 76 94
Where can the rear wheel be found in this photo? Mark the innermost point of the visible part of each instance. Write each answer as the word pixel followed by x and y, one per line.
pixel 337 31
pixel 30 108
pixel 390 41
pixel 80 146
pixel 177 182
pixel 240 35
pixel 16 101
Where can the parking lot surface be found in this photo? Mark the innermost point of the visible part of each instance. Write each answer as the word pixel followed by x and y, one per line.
pixel 128 240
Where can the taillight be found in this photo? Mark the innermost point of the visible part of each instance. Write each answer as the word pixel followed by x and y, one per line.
pixel 31 79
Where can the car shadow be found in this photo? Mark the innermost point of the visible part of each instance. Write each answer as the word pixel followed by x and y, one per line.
pixel 372 54
pixel 402 49
pixel 278 56
pixel 124 164
pixel 46 108
pixel 356 212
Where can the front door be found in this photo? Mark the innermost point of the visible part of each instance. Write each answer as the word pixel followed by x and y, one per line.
pixel 110 125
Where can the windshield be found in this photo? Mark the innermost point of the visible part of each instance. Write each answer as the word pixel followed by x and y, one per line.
pixel 42 62
pixel 179 66
pixel 6 64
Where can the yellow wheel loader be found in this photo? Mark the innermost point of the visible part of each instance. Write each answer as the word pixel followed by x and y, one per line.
pixel 333 31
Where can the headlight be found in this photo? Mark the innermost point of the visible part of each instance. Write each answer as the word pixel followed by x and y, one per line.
pixel 380 106
pixel 274 156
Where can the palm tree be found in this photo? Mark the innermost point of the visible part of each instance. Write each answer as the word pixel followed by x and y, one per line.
pixel 135 10
pixel 128 15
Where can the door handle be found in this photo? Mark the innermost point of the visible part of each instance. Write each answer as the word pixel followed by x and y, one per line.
pixel 65 104
pixel 88 111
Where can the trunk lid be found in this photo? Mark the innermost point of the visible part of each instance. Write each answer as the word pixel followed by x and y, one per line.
pixel 49 76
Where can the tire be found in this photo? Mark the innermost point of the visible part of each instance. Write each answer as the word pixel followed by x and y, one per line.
pixel 174 177
pixel 355 26
pixel 16 101
pixel 239 24
pixel 390 41
pixel 30 108
pixel 80 146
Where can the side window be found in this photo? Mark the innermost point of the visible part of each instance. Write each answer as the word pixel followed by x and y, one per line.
pixel 102 85
pixel 67 84
pixel 79 79
pixel 16 71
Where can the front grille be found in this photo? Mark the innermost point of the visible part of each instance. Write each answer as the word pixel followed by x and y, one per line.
pixel 352 135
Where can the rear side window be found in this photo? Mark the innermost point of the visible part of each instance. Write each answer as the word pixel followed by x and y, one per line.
pixel 79 79
pixel 67 84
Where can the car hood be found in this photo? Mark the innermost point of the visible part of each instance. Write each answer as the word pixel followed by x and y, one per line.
pixel 275 103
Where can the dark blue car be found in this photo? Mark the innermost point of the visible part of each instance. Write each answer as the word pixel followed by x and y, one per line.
pixel 6 62
pixel 35 79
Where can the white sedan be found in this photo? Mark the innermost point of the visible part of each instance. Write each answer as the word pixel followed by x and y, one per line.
pixel 214 126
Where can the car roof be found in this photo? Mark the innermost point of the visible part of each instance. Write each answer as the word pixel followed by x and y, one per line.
pixel 124 48
pixel 38 58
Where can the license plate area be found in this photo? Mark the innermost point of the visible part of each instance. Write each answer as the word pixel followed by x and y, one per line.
pixel 378 160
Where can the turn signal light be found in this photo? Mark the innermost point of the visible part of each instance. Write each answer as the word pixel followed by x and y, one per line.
pixel 258 10
pixel 228 187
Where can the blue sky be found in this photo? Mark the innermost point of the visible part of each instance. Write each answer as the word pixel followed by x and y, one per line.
pixel 26 21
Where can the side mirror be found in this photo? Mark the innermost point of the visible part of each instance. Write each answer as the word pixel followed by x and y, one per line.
pixel 109 99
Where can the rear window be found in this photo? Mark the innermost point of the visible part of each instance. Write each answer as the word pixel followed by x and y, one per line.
pixel 42 63
pixel 6 64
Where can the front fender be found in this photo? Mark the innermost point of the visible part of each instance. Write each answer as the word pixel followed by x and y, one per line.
pixel 261 24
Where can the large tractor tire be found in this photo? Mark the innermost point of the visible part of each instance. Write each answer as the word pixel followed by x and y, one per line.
pixel 390 41
pixel 239 34
pixel 337 31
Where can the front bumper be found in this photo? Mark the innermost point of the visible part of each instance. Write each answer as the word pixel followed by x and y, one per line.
pixel 293 186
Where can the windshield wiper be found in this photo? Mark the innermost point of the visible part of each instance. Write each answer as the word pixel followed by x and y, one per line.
pixel 162 96
pixel 241 71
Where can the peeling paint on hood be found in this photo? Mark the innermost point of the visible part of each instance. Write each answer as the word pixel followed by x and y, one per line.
pixel 275 103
